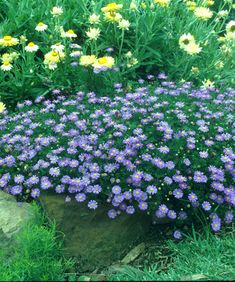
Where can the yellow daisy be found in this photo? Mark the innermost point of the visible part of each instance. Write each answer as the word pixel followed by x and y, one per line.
pixel 2 107
pixel 31 47
pixel 41 27
pixel 203 13
pixel 112 7
pixel 6 66
pixel 8 41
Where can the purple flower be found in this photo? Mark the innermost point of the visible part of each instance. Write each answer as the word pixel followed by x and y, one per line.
pixel 151 189
pixel 112 214
pixel 15 190
pixel 130 210
pixel 177 235
pixel 171 214
pixel 19 178
pixel 59 188
pixel 80 197
pixel 216 224
pixel 92 204
pixel 35 193
pixel 192 197
pixel 116 190
pixel 206 206
pixel 178 193
pixel 143 206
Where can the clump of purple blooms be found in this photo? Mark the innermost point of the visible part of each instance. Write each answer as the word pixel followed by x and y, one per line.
pixel 164 150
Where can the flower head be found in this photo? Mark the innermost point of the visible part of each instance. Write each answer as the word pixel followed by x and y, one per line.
pixel 8 41
pixel 41 27
pixel 31 47
pixel 203 13
pixel 2 107
pixel 162 3
pixel 56 11
pixel 93 33
pixel 87 60
pixel 6 66
pixel 94 19
pixel 112 7
pixel 124 24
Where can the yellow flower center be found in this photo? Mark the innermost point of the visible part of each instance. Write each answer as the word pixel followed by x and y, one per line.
pixel 54 53
pixel 31 44
pixel 6 63
pixel 7 38
pixel 102 61
pixel 70 31
pixel 232 28
pixel 40 24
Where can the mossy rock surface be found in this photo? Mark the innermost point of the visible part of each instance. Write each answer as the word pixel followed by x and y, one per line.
pixel 13 216
pixel 91 235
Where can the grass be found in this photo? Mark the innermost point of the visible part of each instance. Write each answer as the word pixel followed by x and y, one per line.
pixel 36 254
pixel 203 256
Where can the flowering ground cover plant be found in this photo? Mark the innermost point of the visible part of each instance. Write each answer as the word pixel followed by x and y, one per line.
pixel 72 43
pixel 164 149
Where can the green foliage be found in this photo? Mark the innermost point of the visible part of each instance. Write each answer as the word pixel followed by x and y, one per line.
pixel 152 39
pixel 36 254
pixel 199 257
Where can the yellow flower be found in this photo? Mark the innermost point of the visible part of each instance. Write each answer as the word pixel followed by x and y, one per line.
pixel 23 39
pixel 113 17
pixel 230 27
pixel 70 34
pixel 219 65
pixel 203 13
pixel 41 27
pixel 124 24
pixel 57 47
pixel 6 57
pixel 2 107
pixel 223 13
pixel 93 33
pixel 106 62
pixel 87 60
pixel 56 11
pixel 207 83
pixel 143 5
pixel 112 7
pixel 209 2
pixel 52 58
pixel 132 61
pixel 94 19
pixel 191 5
pixel 195 70
pixel 6 66
pixel 162 3
pixel 185 40
pixel 31 47
pixel 8 41
pixel 193 48
pixel 133 6
pixel 221 39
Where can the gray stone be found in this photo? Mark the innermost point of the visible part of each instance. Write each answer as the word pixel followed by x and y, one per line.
pixel 12 216
pixel 90 235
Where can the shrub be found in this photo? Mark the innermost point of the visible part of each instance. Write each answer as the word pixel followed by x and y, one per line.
pixel 166 150
pixel 125 40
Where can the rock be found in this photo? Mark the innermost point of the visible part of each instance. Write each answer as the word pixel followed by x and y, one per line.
pixel 12 216
pixel 91 235
pixel 133 254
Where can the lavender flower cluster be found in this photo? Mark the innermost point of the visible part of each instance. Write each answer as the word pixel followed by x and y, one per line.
pixel 166 150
